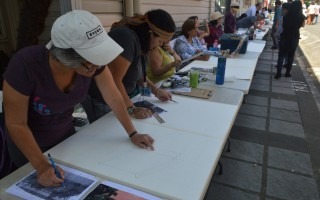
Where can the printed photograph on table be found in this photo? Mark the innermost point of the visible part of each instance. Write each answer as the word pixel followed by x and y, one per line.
pixel 112 191
pixel 76 184
pixel 147 104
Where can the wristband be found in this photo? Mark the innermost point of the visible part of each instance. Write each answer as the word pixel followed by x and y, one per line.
pixel 132 134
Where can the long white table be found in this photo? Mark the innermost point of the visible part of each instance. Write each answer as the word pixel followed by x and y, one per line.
pixel 239 71
pixel 187 149
pixel 256 46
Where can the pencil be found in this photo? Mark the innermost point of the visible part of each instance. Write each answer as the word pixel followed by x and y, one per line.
pixel 56 171
pixel 173 100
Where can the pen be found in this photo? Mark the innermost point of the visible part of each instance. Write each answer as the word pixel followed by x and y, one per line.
pixel 173 100
pixel 56 171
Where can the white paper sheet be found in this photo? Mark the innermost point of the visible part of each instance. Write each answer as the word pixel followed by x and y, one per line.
pixel 76 184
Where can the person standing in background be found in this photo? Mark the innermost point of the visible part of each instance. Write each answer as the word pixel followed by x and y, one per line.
pixel 230 19
pixel 289 38
pixel 316 13
pixel 311 13
pixel 276 18
pixel 285 9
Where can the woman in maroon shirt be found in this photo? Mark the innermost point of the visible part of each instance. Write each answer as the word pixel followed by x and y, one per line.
pixel 230 19
pixel 43 84
pixel 215 27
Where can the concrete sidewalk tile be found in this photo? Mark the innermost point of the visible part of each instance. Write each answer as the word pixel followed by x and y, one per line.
pixel 254 110
pixel 261 81
pixel 255 86
pixel 284 104
pixel 283 90
pixel 247 151
pixel 221 192
pixel 290 186
pixel 290 160
pixel 265 61
pixel 286 115
pixel 261 76
pixel 251 122
pixel 240 174
pixel 256 100
pixel 287 128
pixel 262 64
pixel 282 84
pixel 283 79
pixel 263 68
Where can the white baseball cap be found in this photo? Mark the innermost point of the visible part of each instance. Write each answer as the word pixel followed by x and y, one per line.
pixel 83 32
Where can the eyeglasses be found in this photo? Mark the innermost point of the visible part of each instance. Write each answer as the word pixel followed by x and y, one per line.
pixel 90 68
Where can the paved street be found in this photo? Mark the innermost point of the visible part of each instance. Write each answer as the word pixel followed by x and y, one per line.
pixel 310 46
pixel 276 136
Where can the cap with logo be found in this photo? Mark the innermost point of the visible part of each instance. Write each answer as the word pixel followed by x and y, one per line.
pixel 83 32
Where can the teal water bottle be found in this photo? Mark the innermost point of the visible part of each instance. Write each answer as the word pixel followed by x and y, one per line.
pixel 221 68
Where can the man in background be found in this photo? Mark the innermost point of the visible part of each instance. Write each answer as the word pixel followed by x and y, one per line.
pixel 276 18
pixel 254 9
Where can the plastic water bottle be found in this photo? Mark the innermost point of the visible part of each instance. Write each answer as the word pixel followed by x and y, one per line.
pixel 221 68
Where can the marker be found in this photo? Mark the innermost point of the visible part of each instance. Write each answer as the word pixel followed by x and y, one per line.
pixel 56 171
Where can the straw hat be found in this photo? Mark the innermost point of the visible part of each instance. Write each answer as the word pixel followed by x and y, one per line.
pixel 216 15
pixel 235 6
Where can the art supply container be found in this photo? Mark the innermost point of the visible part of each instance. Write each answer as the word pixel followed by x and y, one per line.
pixel 194 78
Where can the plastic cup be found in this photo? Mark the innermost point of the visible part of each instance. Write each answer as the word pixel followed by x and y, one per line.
pixel 194 78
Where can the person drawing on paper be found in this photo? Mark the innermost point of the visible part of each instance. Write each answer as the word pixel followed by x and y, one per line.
pixel 188 44
pixel 200 33
pixel 137 36
pixel 42 86
pixel 254 21
pixel 163 62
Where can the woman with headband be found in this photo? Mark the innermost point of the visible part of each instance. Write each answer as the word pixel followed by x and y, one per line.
pixel 137 36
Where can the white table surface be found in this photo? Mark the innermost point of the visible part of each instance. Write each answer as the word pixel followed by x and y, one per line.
pixel 256 46
pixel 260 34
pixel 238 75
pixel 187 147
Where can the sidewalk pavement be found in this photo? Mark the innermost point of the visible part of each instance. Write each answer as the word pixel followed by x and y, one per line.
pixel 275 141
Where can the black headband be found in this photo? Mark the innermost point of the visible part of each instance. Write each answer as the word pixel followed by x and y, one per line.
pixel 235 7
